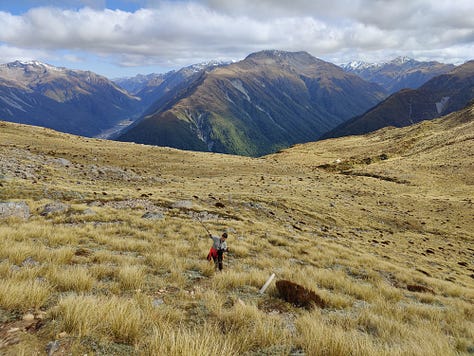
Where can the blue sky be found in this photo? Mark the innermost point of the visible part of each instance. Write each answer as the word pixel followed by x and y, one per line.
pixel 22 6
pixel 125 37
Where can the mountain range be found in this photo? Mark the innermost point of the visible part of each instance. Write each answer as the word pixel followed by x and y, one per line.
pixel 398 74
pixel 441 95
pixel 268 101
pixel 72 101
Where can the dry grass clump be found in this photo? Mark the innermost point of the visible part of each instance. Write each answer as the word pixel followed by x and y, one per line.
pixel 71 278
pixel 200 340
pixel 252 329
pixel 119 319
pixel 23 295
pixel 161 261
pixel 131 277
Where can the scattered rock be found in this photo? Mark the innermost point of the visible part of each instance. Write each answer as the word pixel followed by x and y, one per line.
pixel 40 315
pixel 28 317
pixel 153 216
pixel 29 262
pixel 204 216
pixel 54 208
pixel 132 204
pixel 62 162
pixel 297 261
pixel 88 211
pixel 62 335
pixel 182 204
pixel 419 288
pixel 157 302
pixel 52 347
pixel 14 209
pixel 194 275
pixel 299 295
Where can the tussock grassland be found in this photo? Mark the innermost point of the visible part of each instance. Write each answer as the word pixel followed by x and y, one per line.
pixel 380 227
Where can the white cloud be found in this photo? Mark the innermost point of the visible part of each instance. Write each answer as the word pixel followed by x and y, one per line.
pixel 185 32
pixel 10 54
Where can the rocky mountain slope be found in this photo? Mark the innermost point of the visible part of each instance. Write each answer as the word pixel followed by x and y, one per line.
pixel 268 101
pixel 400 73
pixel 439 96
pixel 70 101
pixel 156 89
pixel 107 253
pixel 137 83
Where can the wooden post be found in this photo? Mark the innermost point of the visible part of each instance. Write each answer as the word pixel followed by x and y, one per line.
pixel 267 283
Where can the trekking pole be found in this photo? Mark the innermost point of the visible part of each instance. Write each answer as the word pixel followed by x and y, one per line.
pixel 204 226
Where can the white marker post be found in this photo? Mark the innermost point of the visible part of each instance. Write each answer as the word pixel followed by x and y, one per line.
pixel 267 283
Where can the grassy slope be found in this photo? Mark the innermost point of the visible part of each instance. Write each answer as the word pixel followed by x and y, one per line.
pixel 332 216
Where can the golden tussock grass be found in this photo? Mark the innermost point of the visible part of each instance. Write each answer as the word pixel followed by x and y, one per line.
pixel 200 340
pixel 23 295
pixel 131 277
pixel 120 319
pixel 71 278
pixel 119 283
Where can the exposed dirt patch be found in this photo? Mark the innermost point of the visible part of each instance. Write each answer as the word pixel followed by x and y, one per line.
pixel 298 295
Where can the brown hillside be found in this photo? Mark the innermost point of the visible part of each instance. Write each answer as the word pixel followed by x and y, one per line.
pixel 112 258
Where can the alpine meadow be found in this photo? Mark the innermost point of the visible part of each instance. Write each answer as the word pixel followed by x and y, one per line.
pixel 107 255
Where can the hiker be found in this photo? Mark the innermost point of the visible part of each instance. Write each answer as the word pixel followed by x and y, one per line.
pixel 217 250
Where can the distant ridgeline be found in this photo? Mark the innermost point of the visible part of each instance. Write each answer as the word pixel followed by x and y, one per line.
pixel 441 95
pixel 266 102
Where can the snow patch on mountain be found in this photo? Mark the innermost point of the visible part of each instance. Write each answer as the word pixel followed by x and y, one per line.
pixel 29 64
pixel 440 105
pixel 361 65
pixel 237 84
pixel 207 65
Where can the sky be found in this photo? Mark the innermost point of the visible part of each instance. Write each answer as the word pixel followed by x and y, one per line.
pixel 119 38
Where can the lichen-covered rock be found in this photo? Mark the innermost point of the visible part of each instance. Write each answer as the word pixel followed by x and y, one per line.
pixel 14 209
pixel 182 204
pixel 153 215
pixel 54 208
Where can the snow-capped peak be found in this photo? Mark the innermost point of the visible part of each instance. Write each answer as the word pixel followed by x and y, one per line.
pixel 359 65
pixel 32 63
pixel 401 60
pixel 206 65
